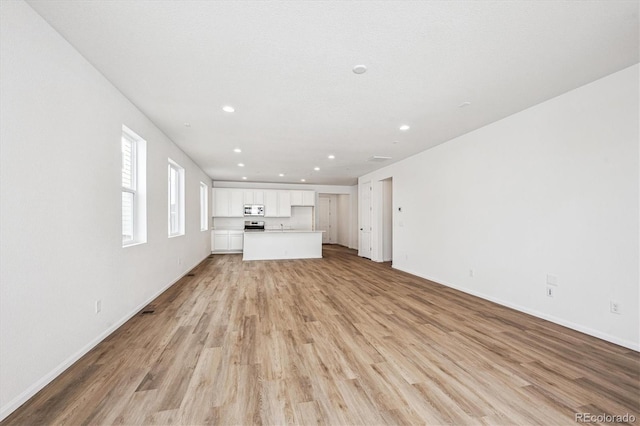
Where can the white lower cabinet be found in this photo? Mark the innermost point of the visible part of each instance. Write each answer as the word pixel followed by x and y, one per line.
pixel 236 240
pixel 220 241
pixel 227 241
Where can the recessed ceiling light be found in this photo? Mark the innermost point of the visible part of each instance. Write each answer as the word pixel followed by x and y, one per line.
pixel 281 174
pixel 187 124
pixel 303 180
pixel 464 104
pixel 237 150
pixel 331 157
pixel 404 127
pixel 316 168
pixel 360 69
pixel 228 108
pixel 244 178
pixel 240 164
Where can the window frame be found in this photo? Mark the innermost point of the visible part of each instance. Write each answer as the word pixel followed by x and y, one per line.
pixel 204 207
pixel 179 196
pixel 137 187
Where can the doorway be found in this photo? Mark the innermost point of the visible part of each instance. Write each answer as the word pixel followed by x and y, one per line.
pixel 364 248
pixel 328 218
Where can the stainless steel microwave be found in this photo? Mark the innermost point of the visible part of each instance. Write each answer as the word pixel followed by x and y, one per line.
pixel 253 210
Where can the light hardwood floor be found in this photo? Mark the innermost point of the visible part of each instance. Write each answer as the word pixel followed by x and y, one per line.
pixel 338 341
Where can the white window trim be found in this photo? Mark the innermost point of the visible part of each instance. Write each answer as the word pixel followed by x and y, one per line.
pixel 138 189
pixel 204 207
pixel 180 198
pixel 132 190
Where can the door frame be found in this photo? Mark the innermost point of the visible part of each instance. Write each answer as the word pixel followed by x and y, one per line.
pixel 365 219
pixel 332 233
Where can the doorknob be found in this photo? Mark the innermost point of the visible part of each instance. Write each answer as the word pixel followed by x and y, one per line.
pixel 362 229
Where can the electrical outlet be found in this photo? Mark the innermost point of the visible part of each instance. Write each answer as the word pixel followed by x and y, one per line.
pixel 471 272
pixel 615 307
pixel 98 306
pixel 179 261
pixel 550 291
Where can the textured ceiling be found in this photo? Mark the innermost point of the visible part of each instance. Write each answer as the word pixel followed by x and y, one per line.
pixel 286 68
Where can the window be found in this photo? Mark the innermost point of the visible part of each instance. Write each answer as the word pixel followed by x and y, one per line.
pixel 134 209
pixel 204 207
pixel 176 199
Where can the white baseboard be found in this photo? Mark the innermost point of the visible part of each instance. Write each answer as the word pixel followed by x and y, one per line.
pixel 16 402
pixel 560 321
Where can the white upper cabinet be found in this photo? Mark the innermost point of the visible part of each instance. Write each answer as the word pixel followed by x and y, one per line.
pixel 228 202
pixel 284 203
pixel 248 197
pixel 236 207
pixel 253 196
pixel 296 198
pixel 221 200
pixel 277 203
pixel 270 203
pixel 303 198
pixel 309 198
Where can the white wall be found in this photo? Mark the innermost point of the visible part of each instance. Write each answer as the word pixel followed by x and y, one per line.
pixel 60 128
pixel 553 190
pixel 387 220
pixel 351 191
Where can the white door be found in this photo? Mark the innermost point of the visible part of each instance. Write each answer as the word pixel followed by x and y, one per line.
pixel 325 219
pixel 365 220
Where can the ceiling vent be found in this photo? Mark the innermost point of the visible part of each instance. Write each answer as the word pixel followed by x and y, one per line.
pixel 378 158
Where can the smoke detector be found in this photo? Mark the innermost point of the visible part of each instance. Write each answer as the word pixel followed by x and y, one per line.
pixel 360 69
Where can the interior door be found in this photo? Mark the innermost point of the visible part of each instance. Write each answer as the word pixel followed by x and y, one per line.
pixel 324 219
pixel 364 248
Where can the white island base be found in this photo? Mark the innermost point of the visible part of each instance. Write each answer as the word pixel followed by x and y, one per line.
pixel 269 245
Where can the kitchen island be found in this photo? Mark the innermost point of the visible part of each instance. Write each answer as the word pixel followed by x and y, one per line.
pixel 282 244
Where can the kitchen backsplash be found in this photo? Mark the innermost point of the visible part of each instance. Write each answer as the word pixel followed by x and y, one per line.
pixel 301 218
